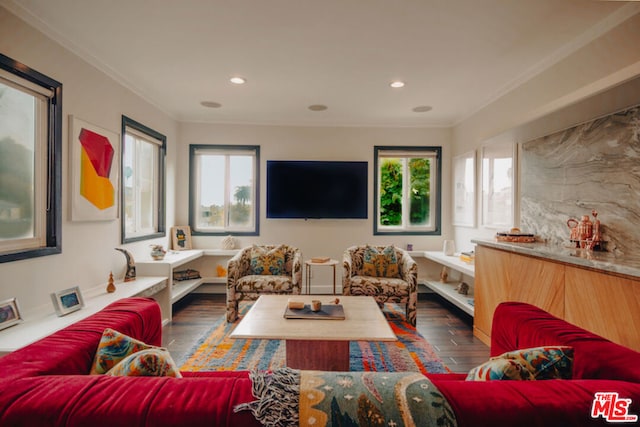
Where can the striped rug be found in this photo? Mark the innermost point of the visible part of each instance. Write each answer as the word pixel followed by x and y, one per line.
pixel 215 351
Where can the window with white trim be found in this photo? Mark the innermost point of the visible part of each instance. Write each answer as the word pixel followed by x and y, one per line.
pixel 30 162
pixel 223 189
pixel 407 190
pixel 143 182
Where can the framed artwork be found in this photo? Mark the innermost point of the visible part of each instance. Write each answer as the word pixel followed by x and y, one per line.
pixel 9 313
pixel 67 301
pixel 498 185
pixel 464 189
pixel 94 172
pixel 181 237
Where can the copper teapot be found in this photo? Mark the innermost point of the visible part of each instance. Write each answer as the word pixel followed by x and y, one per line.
pixel 584 233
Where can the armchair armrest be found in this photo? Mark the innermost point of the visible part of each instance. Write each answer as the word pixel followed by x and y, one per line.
pixel 347 272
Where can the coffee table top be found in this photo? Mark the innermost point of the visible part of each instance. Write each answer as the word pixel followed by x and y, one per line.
pixel 363 321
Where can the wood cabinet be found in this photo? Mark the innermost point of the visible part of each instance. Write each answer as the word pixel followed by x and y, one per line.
pixel 604 303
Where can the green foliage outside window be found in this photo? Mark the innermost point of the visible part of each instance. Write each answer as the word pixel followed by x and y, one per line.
pixel 391 191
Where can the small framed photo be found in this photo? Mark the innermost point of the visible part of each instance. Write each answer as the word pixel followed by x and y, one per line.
pixel 181 237
pixel 9 313
pixel 67 301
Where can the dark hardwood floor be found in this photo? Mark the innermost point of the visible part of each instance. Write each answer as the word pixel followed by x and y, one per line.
pixel 448 330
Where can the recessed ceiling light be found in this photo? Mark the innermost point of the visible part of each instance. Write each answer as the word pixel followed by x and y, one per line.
pixel 211 104
pixel 238 80
pixel 396 84
pixel 422 108
pixel 317 107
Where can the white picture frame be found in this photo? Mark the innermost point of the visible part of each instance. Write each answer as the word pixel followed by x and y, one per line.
pixel 9 313
pixel 67 301
pixel 464 189
pixel 94 170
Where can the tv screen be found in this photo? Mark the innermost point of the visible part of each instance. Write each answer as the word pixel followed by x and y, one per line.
pixel 316 189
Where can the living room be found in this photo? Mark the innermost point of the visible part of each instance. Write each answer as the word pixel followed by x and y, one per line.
pixel 591 70
pixel 577 88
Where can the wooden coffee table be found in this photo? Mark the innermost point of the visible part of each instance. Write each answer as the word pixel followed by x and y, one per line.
pixel 315 344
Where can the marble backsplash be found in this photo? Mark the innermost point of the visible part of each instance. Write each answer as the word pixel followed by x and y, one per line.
pixel 595 165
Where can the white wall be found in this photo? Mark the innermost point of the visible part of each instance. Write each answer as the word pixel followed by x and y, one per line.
pixel 313 237
pixel 87 247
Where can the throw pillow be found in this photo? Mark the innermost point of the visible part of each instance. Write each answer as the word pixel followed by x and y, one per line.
pixel 500 369
pixel 113 347
pixel 267 262
pixel 382 263
pixel 536 363
pixel 154 362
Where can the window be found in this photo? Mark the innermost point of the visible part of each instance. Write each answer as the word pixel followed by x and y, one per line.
pixel 223 189
pixel 407 190
pixel 30 162
pixel 143 182
pixel 498 185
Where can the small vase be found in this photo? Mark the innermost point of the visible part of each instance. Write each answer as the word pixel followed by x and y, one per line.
pixel 228 243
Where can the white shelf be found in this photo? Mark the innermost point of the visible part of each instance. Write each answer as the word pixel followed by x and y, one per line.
pixel 220 252
pixel 452 261
pixel 448 292
pixel 43 322
pixel 182 288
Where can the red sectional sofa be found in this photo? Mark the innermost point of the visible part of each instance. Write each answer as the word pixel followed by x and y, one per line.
pixel 47 383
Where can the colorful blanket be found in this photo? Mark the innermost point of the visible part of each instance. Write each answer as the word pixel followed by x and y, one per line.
pixel 288 397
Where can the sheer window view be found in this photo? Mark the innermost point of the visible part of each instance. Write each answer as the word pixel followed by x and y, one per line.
pixel 17 160
pixel 142 182
pixel 497 186
pixel 224 189
pixel 407 190
pixel 30 146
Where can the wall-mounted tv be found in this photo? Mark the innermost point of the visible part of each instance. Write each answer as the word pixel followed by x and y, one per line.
pixel 316 189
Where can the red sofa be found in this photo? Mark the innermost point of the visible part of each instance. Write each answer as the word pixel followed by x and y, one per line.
pixel 47 383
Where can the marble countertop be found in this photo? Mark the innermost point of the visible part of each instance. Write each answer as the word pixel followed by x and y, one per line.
pixel 604 261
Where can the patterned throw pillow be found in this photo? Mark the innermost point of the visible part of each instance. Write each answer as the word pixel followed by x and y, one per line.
pixel 114 346
pixel 155 362
pixel 383 263
pixel 499 369
pixel 264 262
pixel 537 363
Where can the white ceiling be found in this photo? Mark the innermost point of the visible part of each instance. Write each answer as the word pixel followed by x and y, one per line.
pixel 455 56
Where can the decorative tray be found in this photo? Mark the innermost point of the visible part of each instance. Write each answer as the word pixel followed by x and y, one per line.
pixel 327 312
pixel 515 237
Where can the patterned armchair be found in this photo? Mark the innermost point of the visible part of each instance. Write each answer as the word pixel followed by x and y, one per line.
pixel 388 274
pixel 257 270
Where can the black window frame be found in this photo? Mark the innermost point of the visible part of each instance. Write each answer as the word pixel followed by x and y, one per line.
pixel 53 214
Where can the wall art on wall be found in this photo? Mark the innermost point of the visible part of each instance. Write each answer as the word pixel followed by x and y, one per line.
pixel 9 313
pixel 464 189
pixel 94 172
pixel 67 301
pixel 181 237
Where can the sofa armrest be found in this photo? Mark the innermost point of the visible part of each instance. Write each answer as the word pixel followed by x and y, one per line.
pixel 518 325
pixel 296 272
pixel 409 270
pixel 72 349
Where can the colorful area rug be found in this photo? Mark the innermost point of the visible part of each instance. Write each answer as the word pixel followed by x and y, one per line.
pixel 215 351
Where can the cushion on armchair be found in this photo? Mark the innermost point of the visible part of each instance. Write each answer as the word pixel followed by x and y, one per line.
pixel 382 263
pixel 268 262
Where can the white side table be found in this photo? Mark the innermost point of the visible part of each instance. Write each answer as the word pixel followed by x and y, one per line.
pixel 308 264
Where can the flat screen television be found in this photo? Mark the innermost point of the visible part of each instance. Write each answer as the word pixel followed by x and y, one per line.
pixel 316 189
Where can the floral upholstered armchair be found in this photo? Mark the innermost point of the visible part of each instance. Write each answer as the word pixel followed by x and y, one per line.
pixel 388 274
pixel 257 270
